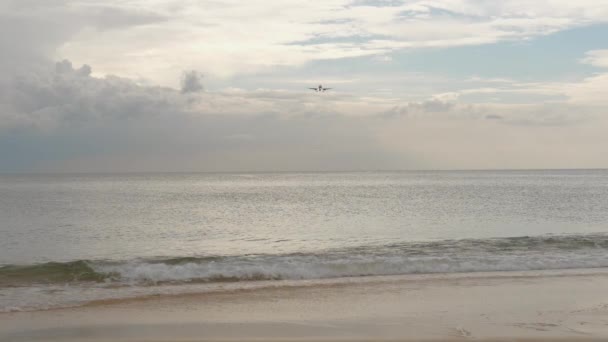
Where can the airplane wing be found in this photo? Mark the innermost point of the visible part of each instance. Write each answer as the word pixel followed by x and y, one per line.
pixel 313 88
pixel 326 89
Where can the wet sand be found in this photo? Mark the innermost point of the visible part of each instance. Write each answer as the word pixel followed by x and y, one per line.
pixel 523 306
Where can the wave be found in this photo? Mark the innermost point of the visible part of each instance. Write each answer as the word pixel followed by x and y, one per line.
pixel 447 256
pixel 52 272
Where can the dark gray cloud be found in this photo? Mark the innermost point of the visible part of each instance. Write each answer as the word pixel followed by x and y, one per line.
pixel 58 117
pixel 47 97
pixel 65 67
pixel 192 82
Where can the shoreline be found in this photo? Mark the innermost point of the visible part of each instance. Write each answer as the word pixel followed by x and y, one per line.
pixel 531 305
pixel 242 287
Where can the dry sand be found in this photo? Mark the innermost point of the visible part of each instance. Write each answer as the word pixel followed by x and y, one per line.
pixel 559 305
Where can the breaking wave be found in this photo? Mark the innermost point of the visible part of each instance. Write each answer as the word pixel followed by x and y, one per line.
pixel 447 256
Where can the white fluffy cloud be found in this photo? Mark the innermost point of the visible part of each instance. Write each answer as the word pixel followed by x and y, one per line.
pixel 158 39
pixel 598 58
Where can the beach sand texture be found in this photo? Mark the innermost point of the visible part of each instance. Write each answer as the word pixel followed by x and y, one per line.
pixel 514 306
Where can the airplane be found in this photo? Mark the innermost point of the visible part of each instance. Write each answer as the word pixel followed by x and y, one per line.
pixel 320 88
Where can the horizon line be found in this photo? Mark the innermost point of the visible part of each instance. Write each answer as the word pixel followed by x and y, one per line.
pixel 292 171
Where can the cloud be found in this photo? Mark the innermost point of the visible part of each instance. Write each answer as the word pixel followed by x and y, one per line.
pixel 32 31
pixel 428 107
pixel 590 92
pixel 65 67
pixel 162 38
pixel 61 118
pixel 192 82
pixel 449 107
pixel 494 117
pixel 47 97
pixel 68 116
pixel 598 58
pixel 58 117
pixel 491 144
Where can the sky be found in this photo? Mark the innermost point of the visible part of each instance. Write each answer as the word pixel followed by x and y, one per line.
pixel 222 85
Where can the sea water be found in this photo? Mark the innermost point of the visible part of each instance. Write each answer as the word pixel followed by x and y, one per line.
pixel 71 239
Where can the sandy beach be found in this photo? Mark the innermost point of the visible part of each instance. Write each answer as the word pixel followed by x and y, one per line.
pixel 510 306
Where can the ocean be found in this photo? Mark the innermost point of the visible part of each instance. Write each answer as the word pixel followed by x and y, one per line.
pixel 73 239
